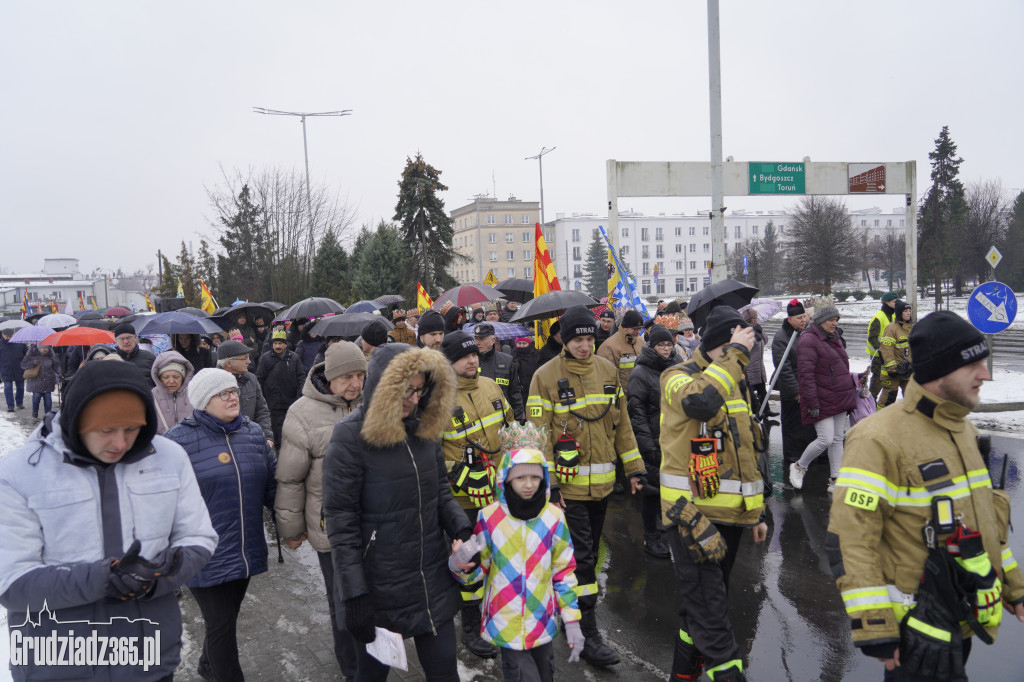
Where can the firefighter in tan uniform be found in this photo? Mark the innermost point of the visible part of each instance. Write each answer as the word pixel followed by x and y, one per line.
pixel 472 455
pixel 711 489
pixel 894 347
pixel 917 538
pixel 624 346
pixel 578 398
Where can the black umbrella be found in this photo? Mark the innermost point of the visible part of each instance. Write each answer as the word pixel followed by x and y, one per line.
pixel 551 304
pixel 517 289
pixel 96 324
pixel 89 315
pixel 310 307
pixel 724 292
pixel 388 299
pixel 349 324
pixel 274 305
pixel 253 310
pixel 194 312
pixel 221 311
pixel 35 317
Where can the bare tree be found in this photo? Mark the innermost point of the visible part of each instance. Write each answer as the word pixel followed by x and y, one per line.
pixel 823 245
pixel 291 232
pixel 988 208
pixel 889 252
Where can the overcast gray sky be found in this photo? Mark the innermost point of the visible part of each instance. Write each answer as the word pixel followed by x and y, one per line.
pixel 116 114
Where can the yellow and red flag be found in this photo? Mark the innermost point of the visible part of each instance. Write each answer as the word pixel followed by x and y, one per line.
pixel 24 305
pixel 423 300
pixel 149 304
pixel 544 281
pixel 206 301
pixel 81 301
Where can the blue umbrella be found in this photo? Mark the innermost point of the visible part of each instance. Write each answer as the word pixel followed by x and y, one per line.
pixel 503 331
pixel 364 307
pixel 175 323
pixel 31 334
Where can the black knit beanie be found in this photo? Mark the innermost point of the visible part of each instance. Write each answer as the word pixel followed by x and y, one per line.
pixel 430 322
pixel 375 333
pixel 718 328
pixel 943 342
pixel 901 305
pixel 458 345
pixel 795 307
pixel 631 320
pixel 577 321
pixel 658 334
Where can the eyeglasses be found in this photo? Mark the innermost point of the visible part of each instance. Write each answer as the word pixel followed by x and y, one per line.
pixel 228 394
pixel 418 392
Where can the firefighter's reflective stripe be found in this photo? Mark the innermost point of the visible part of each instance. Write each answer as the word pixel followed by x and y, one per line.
pixel 737 407
pixel 878 597
pixel 1009 563
pixel 868 481
pixel 589 399
pixel 627 457
pixel 731 493
pixel 888 341
pixel 627 361
pixel 734 663
pixel 911 496
pixel 930 630
pixel 584 590
pixel 594 473
pixel 474 426
pixel 721 376
pixel 476 595
pixel 674 384
pixel 685 636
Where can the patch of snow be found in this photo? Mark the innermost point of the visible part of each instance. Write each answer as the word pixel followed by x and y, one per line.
pixel 1004 423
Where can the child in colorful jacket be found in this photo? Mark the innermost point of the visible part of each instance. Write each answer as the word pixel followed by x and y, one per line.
pixel 522 550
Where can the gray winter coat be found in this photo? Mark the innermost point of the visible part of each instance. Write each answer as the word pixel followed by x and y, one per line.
pixel 46 380
pixel 252 403
pixel 171 408
pixel 755 370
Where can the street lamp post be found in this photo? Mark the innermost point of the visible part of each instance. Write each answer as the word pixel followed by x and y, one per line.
pixel 540 165
pixel 305 149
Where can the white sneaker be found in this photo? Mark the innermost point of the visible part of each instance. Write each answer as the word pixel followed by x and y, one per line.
pixel 831 486
pixel 796 475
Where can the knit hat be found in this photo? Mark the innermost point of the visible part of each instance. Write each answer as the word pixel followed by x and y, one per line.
pixel 278 334
pixel 943 342
pixel 173 367
pixel 719 326
pixel 458 345
pixel 900 307
pixel 91 382
pixel 685 325
pixel 484 329
pixel 375 333
pixel 430 322
pixel 631 320
pixel 555 328
pixel 208 383
pixel 795 307
pixel 889 296
pixel 658 334
pixel 124 328
pixel 609 313
pixel 527 339
pixel 577 321
pixel 824 313
pixel 341 358
pixel 673 307
pixel 519 470
pixel 112 409
pixel 232 349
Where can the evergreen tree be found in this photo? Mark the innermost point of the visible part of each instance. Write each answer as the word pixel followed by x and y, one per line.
pixel 244 272
pixel 1011 269
pixel 168 286
pixel 596 268
pixel 425 227
pixel 770 259
pixel 206 268
pixel 331 276
pixel 941 215
pixel 383 266
pixel 186 270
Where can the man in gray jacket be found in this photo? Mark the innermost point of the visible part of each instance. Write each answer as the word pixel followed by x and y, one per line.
pixel 103 521
pixel 234 357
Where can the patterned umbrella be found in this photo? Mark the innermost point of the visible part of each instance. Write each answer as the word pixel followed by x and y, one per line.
pixel 765 308
pixel 31 334
pixel 503 331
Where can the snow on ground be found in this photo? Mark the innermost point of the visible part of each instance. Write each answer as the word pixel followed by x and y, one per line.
pixel 863 311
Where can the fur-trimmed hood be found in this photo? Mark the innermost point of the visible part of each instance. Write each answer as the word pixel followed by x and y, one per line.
pixel 387 376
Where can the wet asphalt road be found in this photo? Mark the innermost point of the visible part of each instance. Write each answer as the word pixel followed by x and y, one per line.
pixel 785 608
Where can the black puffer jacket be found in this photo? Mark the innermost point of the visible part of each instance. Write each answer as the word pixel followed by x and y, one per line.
pixel 387 502
pixel 643 400
pixel 281 378
pixel 789 388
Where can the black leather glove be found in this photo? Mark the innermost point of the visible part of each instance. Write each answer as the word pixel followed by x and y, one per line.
pixel 129 578
pixel 930 642
pixel 359 618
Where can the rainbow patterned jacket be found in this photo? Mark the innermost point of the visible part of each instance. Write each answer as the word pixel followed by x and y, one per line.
pixel 528 567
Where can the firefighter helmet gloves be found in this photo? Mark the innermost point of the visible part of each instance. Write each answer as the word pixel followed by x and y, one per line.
pixel 700 537
pixel 479 484
pixel 567 458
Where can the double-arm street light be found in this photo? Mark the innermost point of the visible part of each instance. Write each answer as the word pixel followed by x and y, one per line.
pixel 540 164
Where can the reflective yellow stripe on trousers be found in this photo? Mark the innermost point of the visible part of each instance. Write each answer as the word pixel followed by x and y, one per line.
pixel 730 493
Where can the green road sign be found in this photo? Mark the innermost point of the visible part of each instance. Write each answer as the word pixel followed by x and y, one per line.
pixel 776 178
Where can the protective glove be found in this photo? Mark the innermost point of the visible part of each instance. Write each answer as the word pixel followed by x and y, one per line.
pixel 967 548
pixel 468 552
pixel 574 635
pixel 479 484
pixel 359 618
pixel 813 414
pixel 704 473
pixel 129 576
pixel 567 458
pixel 700 537
pixel 931 646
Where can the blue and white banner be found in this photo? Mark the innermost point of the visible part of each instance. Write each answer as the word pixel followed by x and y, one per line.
pixel 625 296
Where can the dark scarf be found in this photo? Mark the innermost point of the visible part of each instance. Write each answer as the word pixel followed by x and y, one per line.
pixel 524 509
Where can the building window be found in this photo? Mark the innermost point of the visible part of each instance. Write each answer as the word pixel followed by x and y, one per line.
pixel 625 232
pixel 526 237
pixel 577 271
pixel 492 238
pixel 707 248
pixel 526 273
pixel 659 286
pixel 490 220
pixel 644 252
pixel 693 266
pixel 726 249
pixel 494 256
pixel 863 223
pixel 679 265
pixel 643 234
pixel 577 253
pixel 646 267
pixel 659 234
pixel 706 230
pixel 782 229
pixel 525 219
pixel 876 223
pixel 527 254
pixel 575 236
pixel 508 218
pixel 624 250
pixel 659 251
pixel 737 232
pixel 510 255
pixel 693 248
pixel 753 230
pixel 511 272
pixel 509 238
pixel 679 248
pixel 693 284
pixel 693 231
pixel 680 284
pixel 888 222
pixel 471 240
pixel 679 232
pixel 645 287
pixel 901 222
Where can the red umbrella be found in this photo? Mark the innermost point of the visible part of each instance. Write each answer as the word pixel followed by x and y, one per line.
pixel 79 336
pixel 467 294
pixel 116 311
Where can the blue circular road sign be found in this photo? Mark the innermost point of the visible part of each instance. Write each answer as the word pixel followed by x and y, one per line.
pixel 992 307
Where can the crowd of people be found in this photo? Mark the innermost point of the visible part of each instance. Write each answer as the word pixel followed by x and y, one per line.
pixel 441 472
